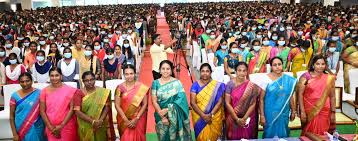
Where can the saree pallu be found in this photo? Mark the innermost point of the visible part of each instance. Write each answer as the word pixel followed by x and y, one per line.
pixel 92 105
pixel 28 122
pixel 57 107
pixel 353 56
pixel 242 97
pixel 172 96
pixel 282 54
pixel 257 64
pixel 206 100
pixel 277 106
pixel 131 104
pixel 316 101
pixel 300 60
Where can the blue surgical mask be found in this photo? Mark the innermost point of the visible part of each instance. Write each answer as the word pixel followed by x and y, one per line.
pixel 332 49
pixel 223 47
pixel 235 50
pixel 67 55
pixel 300 33
pixel 110 56
pixel 281 43
pixel 243 45
pixel 40 58
pixel 13 61
pixel 97 47
pixel 88 53
pixel 2 53
pixel 8 45
pixel 256 48
pixel 274 38
pixel 266 43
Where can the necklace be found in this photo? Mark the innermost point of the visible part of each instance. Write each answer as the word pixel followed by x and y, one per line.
pixel 280 86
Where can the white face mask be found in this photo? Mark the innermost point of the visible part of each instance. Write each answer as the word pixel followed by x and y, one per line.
pixel 42 42
pixel 51 37
pixel 223 46
pixel 266 43
pixel 332 49
pixel 281 43
pixel 256 48
pixel 66 44
pixel 88 53
pixel 335 38
pixel 110 56
pixel 2 53
pixel 110 35
pixel 26 44
pixel 106 40
pixel 8 45
pixel 118 32
pixel 243 45
pixel 97 47
pixel 126 45
pixel 13 61
pixel 40 58
pixel 212 36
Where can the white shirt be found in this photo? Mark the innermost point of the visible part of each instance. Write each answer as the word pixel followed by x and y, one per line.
pixel 40 78
pixel 158 54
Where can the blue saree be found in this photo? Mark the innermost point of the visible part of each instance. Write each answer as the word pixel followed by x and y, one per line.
pixel 277 106
pixel 28 122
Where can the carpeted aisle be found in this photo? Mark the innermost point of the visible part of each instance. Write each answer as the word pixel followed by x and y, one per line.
pixel 145 74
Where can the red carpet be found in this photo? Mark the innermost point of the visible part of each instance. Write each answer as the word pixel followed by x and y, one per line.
pixel 145 74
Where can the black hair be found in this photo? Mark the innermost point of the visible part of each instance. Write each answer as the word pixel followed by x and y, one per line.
pixel 55 69
pixel 88 73
pixel 314 60
pixel 170 65
pixel 206 65
pixel 240 64
pixel 15 56
pixel 31 43
pixel 279 58
pixel 25 74
pixel 129 66
pixel 67 48
pixel 256 41
pixel 109 50
pixel 155 36
pixel 40 51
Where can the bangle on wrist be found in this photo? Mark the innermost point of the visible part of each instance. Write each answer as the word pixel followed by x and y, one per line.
pixel 93 121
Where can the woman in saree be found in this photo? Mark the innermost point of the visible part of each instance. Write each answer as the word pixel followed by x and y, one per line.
pixel 316 96
pixel 25 120
pixel 257 64
pixel 241 98
pixel 300 57
pixel 92 107
pixel 90 63
pixel 350 58
pixel 171 106
pixel 281 51
pixel 56 109
pixel 277 105
pixel 207 102
pixel 131 101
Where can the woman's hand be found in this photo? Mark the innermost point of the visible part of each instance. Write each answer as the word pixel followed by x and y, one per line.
pixel 241 122
pixel 16 138
pixel 333 117
pixel 262 121
pixel 163 112
pixel 292 116
pixel 134 122
pixel 165 121
pixel 303 117
pixel 127 123
pixel 207 118
pixel 97 124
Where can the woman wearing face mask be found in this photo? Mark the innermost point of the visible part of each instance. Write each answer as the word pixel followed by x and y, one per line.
pixel 42 44
pixel 171 106
pixel 69 66
pixel 333 57
pixel 241 98
pixel 211 47
pixel 274 38
pixel 128 52
pixel 221 53
pixel 106 40
pixel 277 101
pixel 99 51
pixel 2 66
pixel 14 70
pixel 56 109
pixel 281 51
pixel 131 101
pixel 317 98
pixel 112 67
pixel 25 48
pixel 339 45
pixel 257 63
pixel 90 63
pixel 231 60
pixel 41 68
pixel 350 58
pixel 92 107
pixel 4 59
pixel 300 57
pixel 54 54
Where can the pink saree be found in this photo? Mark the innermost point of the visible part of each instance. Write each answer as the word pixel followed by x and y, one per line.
pixel 57 107
pixel 131 104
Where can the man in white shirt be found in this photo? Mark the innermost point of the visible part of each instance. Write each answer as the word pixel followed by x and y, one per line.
pixel 158 52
